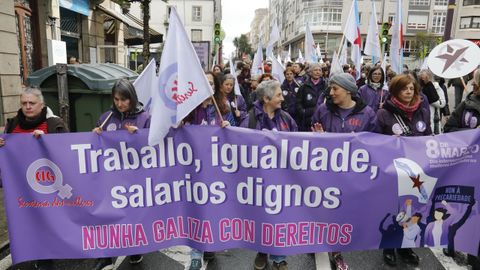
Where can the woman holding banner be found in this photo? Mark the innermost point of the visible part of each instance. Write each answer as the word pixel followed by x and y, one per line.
pixel 126 113
pixel 403 115
pixel 35 118
pixel 267 114
pixel 343 112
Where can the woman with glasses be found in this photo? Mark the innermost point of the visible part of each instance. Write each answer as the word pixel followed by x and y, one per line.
pixel 373 93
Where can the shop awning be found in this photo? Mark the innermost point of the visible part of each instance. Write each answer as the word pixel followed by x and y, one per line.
pixel 134 35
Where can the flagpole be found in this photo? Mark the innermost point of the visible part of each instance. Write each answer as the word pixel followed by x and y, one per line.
pixel 217 109
pixel 341 44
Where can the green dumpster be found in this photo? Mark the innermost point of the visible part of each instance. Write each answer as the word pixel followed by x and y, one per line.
pixel 89 88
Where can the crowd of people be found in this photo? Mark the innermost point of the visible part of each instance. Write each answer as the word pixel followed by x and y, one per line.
pixel 310 99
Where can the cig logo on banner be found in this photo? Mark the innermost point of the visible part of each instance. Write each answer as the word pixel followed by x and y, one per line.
pixel 45 177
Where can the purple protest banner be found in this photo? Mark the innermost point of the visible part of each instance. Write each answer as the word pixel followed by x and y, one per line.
pixel 83 195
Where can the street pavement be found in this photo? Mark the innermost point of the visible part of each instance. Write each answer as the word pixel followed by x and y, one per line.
pixel 177 258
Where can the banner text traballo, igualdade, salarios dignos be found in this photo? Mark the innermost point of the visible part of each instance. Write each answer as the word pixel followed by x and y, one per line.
pixel 230 158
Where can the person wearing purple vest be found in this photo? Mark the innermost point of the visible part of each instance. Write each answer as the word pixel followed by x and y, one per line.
pixel 403 115
pixel 267 114
pixel 126 113
pixel 236 103
pixel 373 93
pixel 343 112
pixel 289 91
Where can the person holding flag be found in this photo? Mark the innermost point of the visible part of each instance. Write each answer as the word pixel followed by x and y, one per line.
pixel 235 102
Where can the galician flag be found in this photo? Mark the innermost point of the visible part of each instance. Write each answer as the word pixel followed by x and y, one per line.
pixel 372 44
pixel 234 74
pixel 145 83
pixel 352 34
pixel 396 47
pixel 257 64
pixel 412 180
pixel 310 47
pixel 182 83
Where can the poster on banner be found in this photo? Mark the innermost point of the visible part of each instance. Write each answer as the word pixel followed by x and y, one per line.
pixel 454 58
pixel 292 192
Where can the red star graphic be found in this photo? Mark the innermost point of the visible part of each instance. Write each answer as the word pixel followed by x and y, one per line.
pixel 416 182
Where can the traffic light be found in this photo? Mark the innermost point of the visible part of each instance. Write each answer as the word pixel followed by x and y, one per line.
pixel 384 35
pixel 217 30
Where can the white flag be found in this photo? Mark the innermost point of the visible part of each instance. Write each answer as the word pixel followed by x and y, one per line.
pixel 342 58
pixel 425 63
pixel 396 45
pixel 319 53
pixel 182 82
pixel 257 64
pixel 352 34
pixel 145 83
pixel 310 47
pixel 372 44
pixel 413 181
pixel 300 58
pixel 277 70
pixel 234 74
pixel 336 67
pixel 288 58
pixel 274 37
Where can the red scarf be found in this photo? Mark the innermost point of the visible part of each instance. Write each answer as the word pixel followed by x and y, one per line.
pixel 408 109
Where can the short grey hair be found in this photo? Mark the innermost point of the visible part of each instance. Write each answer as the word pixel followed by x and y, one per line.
pixel 266 89
pixel 429 74
pixel 312 66
pixel 34 91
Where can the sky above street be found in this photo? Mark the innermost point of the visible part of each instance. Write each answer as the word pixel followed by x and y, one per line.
pixel 236 18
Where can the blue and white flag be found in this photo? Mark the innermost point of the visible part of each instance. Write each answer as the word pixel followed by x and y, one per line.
pixel 300 58
pixel 234 74
pixel 182 83
pixel 413 181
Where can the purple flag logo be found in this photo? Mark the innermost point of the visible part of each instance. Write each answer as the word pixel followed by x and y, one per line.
pixel 45 177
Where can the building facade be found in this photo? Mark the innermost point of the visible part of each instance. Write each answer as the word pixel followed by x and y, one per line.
pixel 422 19
pixel 94 31
pixel 198 17
pixel 466 23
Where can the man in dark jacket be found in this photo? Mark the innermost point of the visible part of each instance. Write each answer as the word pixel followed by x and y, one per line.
pixel 308 95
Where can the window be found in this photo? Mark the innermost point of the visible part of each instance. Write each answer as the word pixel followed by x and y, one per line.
pixel 323 16
pixel 419 2
pixel 439 18
pixel 408 45
pixel 196 13
pixel 470 22
pixel 391 17
pixel 441 2
pixel 417 21
pixel 471 2
pixel 196 35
